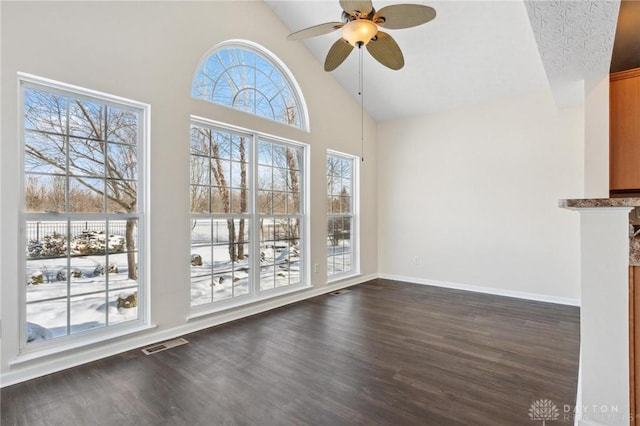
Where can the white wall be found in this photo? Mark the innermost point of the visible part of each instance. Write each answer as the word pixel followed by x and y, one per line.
pixel 604 317
pixel 148 51
pixel 596 141
pixel 473 194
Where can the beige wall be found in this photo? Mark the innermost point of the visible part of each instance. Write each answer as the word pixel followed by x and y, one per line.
pixel 469 198
pixel 148 51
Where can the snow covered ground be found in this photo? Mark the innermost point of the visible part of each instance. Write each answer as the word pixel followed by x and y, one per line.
pixel 218 278
pixel 86 301
pixel 339 257
pixel 89 300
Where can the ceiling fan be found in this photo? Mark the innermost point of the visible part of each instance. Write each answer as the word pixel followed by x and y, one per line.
pixel 360 23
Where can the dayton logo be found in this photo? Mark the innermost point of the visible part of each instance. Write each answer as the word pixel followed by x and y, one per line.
pixel 545 410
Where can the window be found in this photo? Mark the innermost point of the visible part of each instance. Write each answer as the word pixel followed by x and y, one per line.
pixel 341 215
pixel 245 76
pixel 220 221
pixel 280 213
pixel 247 214
pixel 247 189
pixel 83 210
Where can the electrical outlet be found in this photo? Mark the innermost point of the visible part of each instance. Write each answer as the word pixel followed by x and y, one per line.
pixel 315 268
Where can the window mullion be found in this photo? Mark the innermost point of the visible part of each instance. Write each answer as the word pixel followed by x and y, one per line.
pixel 67 210
pixel 255 220
pixel 211 250
pixel 255 84
pixel 107 262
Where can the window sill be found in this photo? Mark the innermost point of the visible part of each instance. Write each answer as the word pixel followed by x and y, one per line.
pixel 245 302
pixel 31 354
pixel 343 277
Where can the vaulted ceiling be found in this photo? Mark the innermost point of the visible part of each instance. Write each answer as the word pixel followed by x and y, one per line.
pixel 474 51
pixel 626 47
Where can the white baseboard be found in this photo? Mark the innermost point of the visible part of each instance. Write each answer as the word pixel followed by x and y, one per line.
pixel 487 290
pixel 41 367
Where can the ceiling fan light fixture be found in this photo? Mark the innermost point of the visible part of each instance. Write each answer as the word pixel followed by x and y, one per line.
pixel 360 24
pixel 359 31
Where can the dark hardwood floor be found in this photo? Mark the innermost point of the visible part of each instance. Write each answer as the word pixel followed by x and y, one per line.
pixel 385 353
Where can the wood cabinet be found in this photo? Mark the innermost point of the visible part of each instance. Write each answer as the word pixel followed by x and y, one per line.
pixel 624 131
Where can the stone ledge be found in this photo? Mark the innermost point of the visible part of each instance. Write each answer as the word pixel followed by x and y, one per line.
pixel 577 203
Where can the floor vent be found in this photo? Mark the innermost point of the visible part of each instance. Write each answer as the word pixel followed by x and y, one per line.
pixel 337 292
pixel 164 346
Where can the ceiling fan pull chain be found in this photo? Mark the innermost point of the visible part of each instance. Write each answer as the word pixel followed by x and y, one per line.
pixel 361 89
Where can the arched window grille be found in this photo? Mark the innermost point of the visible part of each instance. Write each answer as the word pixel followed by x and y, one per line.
pixel 245 76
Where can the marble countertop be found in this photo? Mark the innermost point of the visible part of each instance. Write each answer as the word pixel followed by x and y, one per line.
pixel 599 202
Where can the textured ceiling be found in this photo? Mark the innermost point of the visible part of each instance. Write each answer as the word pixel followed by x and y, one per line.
pixel 473 51
pixel 575 38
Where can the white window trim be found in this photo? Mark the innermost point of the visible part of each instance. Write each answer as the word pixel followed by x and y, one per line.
pixel 36 350
pixel 355 236
pixel 257 295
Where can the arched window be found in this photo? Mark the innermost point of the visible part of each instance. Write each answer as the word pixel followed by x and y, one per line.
pixel 245 76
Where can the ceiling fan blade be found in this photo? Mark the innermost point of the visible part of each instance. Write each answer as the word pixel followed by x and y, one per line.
pixel 316 30
pixel 399 16
pixel 337 54
pixel 385 50
pixel 363 6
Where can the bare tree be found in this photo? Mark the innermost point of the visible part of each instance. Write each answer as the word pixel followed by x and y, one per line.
pixel 206 142
pixel 199 191
pixel 294 188
pixel 243 197
pixel 96 146
pixel 246 83
pixel 294 167
pixel 285 195
pixel 338 200
pixel 34 194
pixel 223 189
